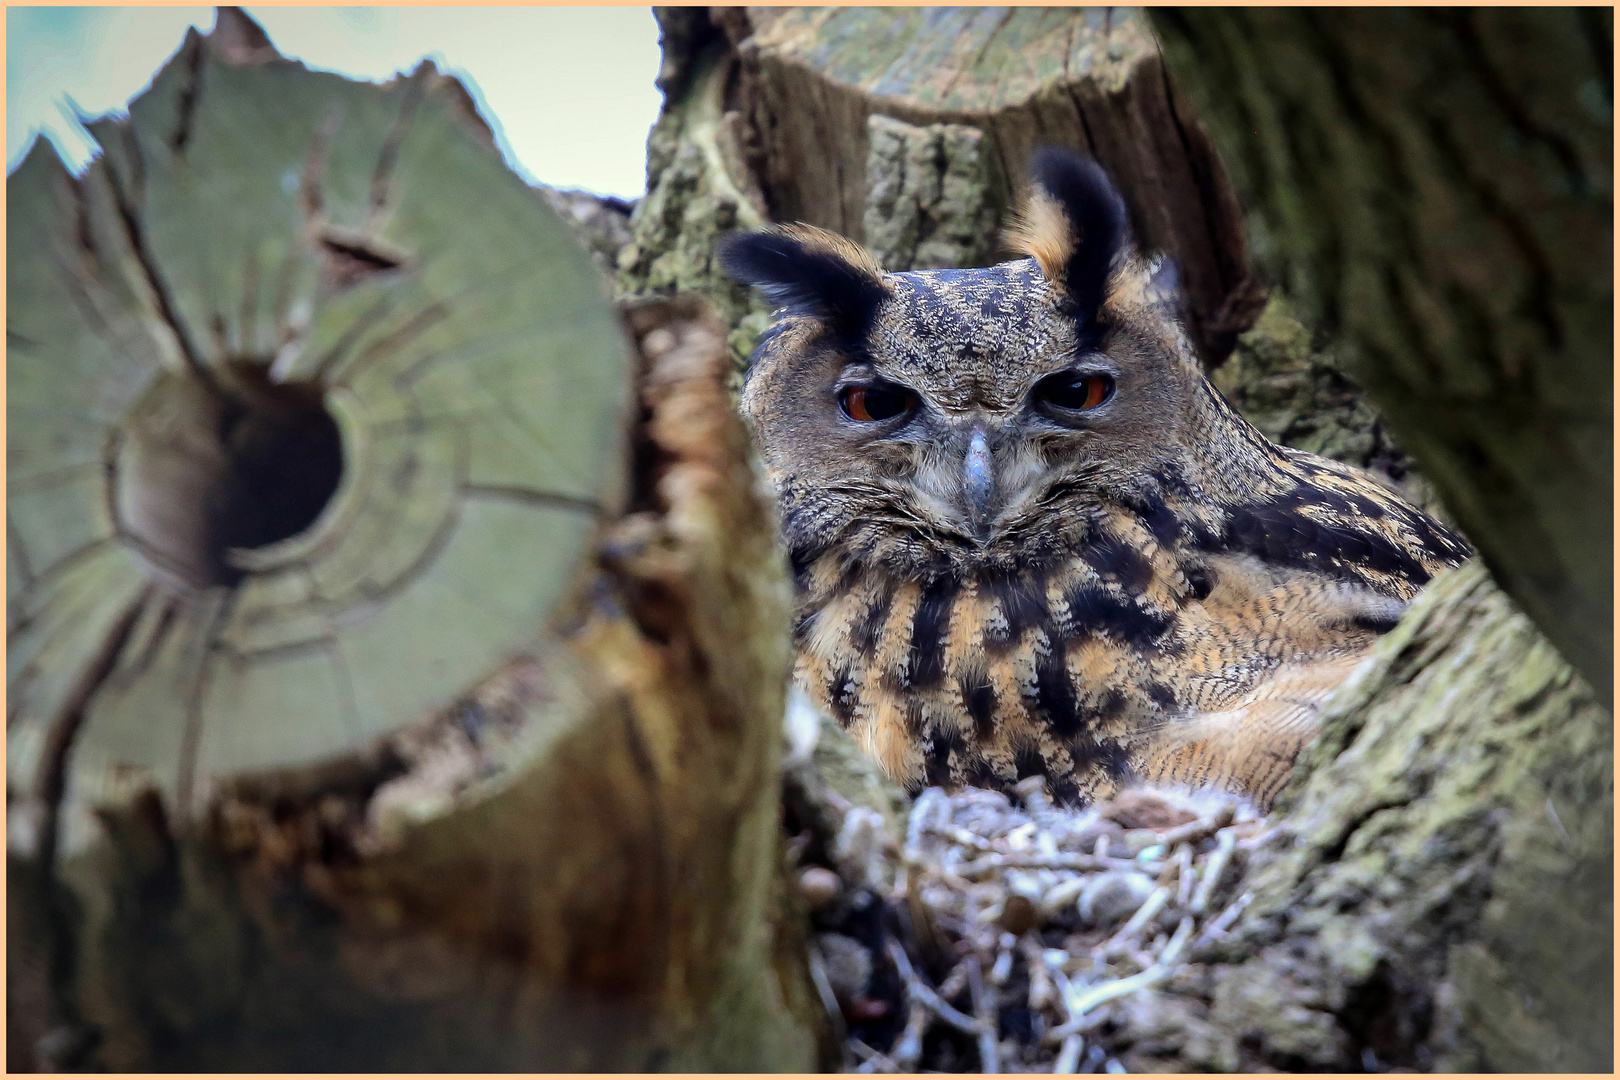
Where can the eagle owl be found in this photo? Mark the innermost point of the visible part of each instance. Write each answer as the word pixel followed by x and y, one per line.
pixel 1029 537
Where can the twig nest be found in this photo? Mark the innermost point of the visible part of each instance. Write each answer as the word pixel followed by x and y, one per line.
pixel 1031 792
pixel 1113 897
pixel 819 887
pixel 1021 911
pixel 1088 835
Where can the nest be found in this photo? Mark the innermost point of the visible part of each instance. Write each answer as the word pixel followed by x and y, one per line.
pixel 1011 935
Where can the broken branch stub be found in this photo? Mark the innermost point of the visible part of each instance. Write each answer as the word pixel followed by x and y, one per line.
pixel 352 724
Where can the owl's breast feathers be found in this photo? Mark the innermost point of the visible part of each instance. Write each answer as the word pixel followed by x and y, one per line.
pixel 1156 633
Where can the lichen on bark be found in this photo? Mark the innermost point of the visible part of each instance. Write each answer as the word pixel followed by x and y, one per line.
pixel 697 191
pixel 928 201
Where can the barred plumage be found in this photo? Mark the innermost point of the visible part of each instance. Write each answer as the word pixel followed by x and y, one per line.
pixel 1058 550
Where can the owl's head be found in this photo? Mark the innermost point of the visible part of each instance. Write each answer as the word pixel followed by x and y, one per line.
pixel 947 415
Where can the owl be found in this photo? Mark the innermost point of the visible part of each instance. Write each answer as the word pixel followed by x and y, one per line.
pixel 1029 537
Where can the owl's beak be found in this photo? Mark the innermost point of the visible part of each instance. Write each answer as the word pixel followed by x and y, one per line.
pixel 979 480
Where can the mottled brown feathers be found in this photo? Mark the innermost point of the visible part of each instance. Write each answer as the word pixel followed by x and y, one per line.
pixel 840 247
pixel 810 273
pixel 1135 656
pixel 1041 232
pixel 1006 577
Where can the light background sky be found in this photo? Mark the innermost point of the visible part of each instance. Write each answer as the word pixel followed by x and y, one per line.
pixel 568 90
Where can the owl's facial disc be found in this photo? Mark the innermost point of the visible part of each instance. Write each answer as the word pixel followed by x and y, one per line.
pixel 964 473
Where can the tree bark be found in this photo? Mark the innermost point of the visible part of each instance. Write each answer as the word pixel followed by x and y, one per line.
pixel 1440 893
pixel 1437 187
pixel 1292 384
pixel 466 759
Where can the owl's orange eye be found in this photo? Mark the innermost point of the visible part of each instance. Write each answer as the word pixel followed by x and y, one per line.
pixel 869 404
pixel 1075 392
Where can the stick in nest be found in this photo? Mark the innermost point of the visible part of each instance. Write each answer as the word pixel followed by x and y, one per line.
pixel 920 992
pixel 989 1055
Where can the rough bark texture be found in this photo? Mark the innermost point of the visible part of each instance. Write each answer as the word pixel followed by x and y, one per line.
pixel 1439 895
pixel 1437 187
pixel 929 200
pixel 911 129
pixel 698 188
pixel 540 829
pixel 1434 188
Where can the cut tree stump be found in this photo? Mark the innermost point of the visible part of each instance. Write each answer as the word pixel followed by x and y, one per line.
pixel 1086 78
pixel 911 129
pixel 396 639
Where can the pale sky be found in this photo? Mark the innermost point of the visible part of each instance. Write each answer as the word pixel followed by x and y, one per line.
pixel 568 90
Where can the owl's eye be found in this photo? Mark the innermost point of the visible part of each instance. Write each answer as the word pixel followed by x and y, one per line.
pixel 1075 391
pixel 869 404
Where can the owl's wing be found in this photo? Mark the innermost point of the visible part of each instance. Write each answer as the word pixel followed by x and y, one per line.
pixel 1249 747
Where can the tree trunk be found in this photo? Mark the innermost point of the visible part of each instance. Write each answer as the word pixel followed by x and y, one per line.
pixel 397 638
pixel 1438 188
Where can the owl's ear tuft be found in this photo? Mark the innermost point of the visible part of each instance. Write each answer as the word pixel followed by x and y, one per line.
pixel 1073 225
pixel 811 272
